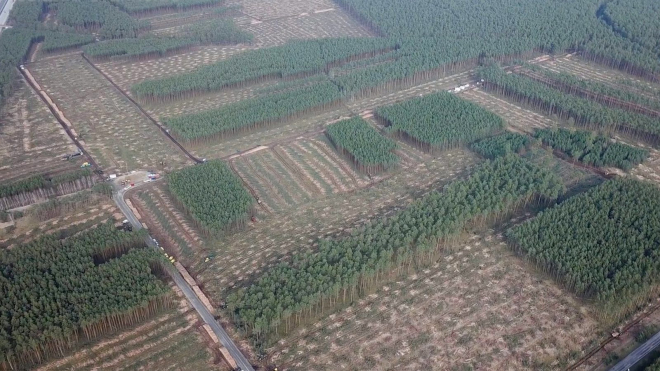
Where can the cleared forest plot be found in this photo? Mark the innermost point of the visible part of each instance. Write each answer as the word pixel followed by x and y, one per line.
pixel 125 74
pixel 167 224
pixel 247 254
pixel 283 8
pixel 333 22
pixel 115 133
pixel 293 173
pixel 63 216
pixel 478 307
pixel 31 139
pixel 518 119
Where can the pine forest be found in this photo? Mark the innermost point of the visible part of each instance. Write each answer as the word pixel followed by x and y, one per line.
pixel 592 149
pixel 363 144
pixel 57 292
pixel 602 244
pixel 439 121
pixel 212 195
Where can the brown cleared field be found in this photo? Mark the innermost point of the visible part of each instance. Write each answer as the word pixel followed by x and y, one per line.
pixel 114 132
pixel 324 20
pixel 478 307
pixel 518 119
pixel 31 140
pixel 281 8
pixel 170 341
pixel 125 74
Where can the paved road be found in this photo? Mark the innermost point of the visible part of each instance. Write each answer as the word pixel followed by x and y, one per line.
pixel 226 341
pixel 5 8
pixel 637 354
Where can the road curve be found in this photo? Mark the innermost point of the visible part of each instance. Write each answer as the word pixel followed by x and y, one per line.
pixel 638 354
pixel 208 318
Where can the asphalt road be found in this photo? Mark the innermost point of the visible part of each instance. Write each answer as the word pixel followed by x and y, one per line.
pixel 226 341
pixel 637 354
pixel 5 8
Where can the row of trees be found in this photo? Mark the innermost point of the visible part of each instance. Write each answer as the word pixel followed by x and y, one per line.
pixel 14 44
pixel 585 112
pixel 592 149
pixel 144 7
pixel 108 19
pixel 363 144
pixel 42 181
pixel 53 291
pixel 65 205
pixel 343 269
pixel 220 31
pixel 501 145
pixel 248 114
pixel 602 244
pixel 212 195
pixel 573 85
pixel 60 41
pixel 293 58
pixel 440 121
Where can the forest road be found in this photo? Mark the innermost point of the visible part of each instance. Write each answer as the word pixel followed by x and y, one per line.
pixel 637 354
pixel 208 318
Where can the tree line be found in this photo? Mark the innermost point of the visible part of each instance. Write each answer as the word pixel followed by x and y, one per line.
pixel 220 31
pixel 592 149
pixel 57 292
pixel 42 181
pixel 145 7
pixel 249 114
pixel 369 150
pixel 212 195
pixel 439 121
pixel 602 244
pixel 583 111
pixel 601 90
pixel 101 16
pixel 345 268
pixel 291 59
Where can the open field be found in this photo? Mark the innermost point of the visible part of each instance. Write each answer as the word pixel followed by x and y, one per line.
pixel 115 133
pixel 478 307
pixel 169 341
pixel 31 139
